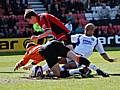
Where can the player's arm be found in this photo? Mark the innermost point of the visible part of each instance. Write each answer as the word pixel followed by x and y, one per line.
pixel 106 57
pixel 22 62
pixel 100 49
pixel 27 67
pixel 45 34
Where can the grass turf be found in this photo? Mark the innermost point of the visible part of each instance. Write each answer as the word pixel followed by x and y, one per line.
pixel 10 80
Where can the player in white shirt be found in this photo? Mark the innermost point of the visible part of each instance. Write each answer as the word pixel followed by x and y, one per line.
pixel 86 43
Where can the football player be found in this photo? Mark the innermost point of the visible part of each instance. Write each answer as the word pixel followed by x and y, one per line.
pixel 86 43
pixel 50 52
pixel 49 23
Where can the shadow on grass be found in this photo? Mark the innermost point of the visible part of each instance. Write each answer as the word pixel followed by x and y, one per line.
pixel 71 77
pixel 38 78
pixel 114 74
pixel 12 72
pixel 109 74
pixel 55 78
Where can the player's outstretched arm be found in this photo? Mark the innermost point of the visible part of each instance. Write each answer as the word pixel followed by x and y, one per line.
pixel 45 34
pixel 17 66
pixel 106 57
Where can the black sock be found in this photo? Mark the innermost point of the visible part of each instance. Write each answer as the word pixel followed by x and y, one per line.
pixel 84 61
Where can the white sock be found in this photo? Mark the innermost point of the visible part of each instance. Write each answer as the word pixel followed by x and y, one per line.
pixel 62 68
pixel 93 67
pixel 76 71
pixel 45 67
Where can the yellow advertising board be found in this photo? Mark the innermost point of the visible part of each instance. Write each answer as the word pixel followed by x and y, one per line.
pixel 16 44
pixel 12 44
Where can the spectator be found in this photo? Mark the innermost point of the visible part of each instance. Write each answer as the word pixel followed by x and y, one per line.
pixel 55 7
pixel 110 29
pixel 27 33
pixel 112 3
pixel 1 33
pixel 118 14
pixel 79 29
pixel 68 4
pixel 70 17
pixel 118 2
pixel 104 12
pixel 79 5
pixel 15 5
pixel 118 32
pixel 11 33
pixel 85 3
pixel 5 30
pixel 63 18
pixel 68 25
pixel 17 32
pixel 12 21
pixel 23 3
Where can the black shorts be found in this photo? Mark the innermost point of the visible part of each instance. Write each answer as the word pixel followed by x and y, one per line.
pixel 53 51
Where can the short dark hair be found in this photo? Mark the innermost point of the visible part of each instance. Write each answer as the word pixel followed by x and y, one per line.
pixel 29 13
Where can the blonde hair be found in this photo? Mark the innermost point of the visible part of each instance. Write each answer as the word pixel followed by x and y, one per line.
pixel 89 26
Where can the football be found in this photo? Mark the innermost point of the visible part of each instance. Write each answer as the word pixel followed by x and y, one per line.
pixel 36 72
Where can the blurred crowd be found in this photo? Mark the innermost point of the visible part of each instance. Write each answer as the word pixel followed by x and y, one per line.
pixel 12 23
pixel 70 12
pixel 73 11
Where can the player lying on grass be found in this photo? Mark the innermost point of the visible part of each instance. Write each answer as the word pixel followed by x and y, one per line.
pixel 50 52
pixel 50 25
pixel 86 43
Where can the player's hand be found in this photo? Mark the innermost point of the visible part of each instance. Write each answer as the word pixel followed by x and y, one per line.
pixel 33 37
pixel 26 68
pixel 112 59
pixel 17 67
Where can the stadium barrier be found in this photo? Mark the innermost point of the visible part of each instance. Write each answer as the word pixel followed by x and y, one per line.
pixel 12 44
pixel 110 40
pixel 16 44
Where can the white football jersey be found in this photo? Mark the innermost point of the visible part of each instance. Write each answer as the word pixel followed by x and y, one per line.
pixel 86 44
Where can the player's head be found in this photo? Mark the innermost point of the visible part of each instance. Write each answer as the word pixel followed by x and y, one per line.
pixel 30 16
pixel 89 29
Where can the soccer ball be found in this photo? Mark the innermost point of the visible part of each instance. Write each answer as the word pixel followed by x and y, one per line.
pixel 36 72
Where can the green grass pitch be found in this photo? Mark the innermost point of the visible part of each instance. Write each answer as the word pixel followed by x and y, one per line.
pixel 10 80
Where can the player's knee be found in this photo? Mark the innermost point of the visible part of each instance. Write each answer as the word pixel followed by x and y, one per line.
pixel 70 65
pixel 84 61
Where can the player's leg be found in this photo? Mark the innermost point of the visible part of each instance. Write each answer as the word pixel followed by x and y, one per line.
pixel 51 57
pixel 63 51
pixel 66 52
pixel 72 64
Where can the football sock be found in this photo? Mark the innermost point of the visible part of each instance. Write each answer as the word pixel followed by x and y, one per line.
pixel 93 67
pixel 45 67
pixel 62 68
pixel 76 71
pixel 84 61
